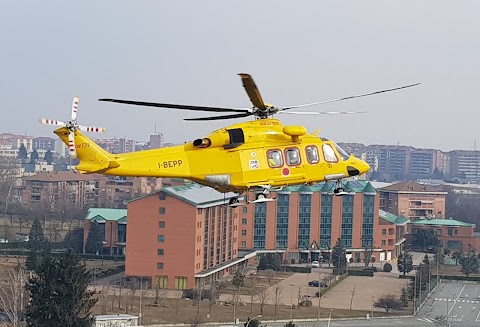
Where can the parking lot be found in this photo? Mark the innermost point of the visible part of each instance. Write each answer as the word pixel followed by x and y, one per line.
pixel 366 290
pixel 461 300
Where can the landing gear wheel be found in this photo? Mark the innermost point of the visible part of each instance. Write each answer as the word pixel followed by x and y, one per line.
pixel 260 196
pixel 233 201
pixel 338 190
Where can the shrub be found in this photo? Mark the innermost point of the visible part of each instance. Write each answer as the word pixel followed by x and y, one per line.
pixel 387 267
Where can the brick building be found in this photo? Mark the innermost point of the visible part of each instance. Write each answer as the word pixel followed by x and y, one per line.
pixel 113 224
pixel 54 189
pixel 413 200
pixel 180 236
pixel 452 234
pixel 59 188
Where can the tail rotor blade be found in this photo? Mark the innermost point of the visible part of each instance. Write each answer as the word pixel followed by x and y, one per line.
pixel 75 107
pixel 91 129
pixel 51 122
pixel 71 145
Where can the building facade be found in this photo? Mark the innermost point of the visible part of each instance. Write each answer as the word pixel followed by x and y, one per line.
pixel 52 190
pixel 113 226
pixel 413 200
pixel 90 190
pixel 185 236
pixel 451 234
pixel 181 237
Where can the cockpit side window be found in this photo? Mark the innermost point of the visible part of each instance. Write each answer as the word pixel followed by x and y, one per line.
pixel 275 158
pixel 312 154
pixel 292 156
pixel 329 154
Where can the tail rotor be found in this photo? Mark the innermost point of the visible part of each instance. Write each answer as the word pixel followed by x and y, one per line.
pixel 72 126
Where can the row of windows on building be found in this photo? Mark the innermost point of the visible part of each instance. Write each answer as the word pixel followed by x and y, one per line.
pixel 181 282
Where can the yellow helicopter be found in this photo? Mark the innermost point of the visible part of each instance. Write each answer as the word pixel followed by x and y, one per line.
pixel 261 155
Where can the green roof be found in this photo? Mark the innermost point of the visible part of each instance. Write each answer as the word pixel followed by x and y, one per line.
pixel 441 222
pixel 195 194
pixel 200 195
pixel 119 215
pixel 390 217
pixel 305 189
pixel 369 189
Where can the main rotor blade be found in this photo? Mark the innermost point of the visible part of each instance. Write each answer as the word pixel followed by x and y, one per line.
pixel 252 91
pixel 348 98
pixel 322 112
pixel 177 106
pixel 221 117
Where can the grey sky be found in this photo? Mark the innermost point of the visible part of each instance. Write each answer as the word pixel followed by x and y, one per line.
pixel 189 52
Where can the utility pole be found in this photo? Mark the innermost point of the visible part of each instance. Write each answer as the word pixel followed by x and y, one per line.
pixel 415 295
pixel 438 262
pixel 141 296
pixel 371 317
pixel 420 288
pixel 291 301
pixel 319 297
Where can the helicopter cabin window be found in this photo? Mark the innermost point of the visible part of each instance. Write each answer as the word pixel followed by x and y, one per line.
pixel 292 156
pixel 329 154
pixel 312 154
pixel 275 158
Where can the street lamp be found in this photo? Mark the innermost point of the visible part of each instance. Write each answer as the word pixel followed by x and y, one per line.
pixel 248 322
pixel 319 296
pixel 291 301
pixel 371 315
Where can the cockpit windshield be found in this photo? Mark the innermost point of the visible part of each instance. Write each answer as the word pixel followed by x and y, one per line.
pixel 342 152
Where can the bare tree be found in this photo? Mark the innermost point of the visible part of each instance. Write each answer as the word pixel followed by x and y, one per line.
pixel 299 295
pixel 269 273
pixel 353 294
pixel 133 286
pixel 54 231
pixel 252 285
pixel 367 250
pixel 114 297
pixel 215 290
pixel 103 298
pixel 13 295
pixel 263 297
pixel 277 292
pixel 388 302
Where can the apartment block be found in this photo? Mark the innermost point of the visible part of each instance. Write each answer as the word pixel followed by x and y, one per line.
pixel 413 200
pixel 55 189
pixel 465 164
pixel 182 236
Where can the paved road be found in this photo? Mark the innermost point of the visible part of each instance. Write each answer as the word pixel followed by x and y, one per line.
pixel 460 299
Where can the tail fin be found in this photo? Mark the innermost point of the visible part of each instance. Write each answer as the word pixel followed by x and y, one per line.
pixel 92 157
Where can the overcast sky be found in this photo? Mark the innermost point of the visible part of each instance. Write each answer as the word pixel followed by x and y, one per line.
pixel 189 52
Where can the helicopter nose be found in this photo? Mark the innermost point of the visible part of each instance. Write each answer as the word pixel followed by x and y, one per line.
pixel 361 167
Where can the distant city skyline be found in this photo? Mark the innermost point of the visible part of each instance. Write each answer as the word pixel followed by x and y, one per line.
pixel 146 139
pixel 190 52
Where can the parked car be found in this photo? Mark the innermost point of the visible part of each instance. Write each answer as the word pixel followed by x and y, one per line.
pixel 316 283
pixel 372 268
pixel 315 264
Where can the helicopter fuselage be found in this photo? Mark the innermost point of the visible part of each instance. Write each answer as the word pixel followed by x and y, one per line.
pixel 258 153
